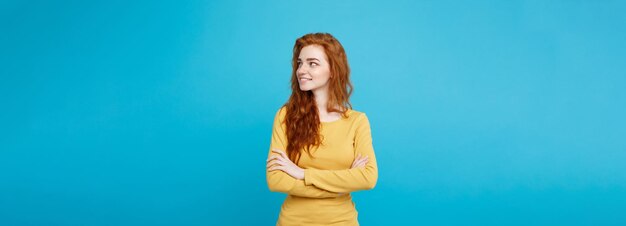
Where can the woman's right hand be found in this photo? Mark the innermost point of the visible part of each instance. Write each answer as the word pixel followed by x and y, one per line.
pixel 359 161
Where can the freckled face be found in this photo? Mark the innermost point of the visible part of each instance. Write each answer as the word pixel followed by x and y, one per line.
pixel 313 68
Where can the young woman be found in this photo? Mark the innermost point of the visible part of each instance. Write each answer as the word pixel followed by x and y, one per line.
pixel 321 149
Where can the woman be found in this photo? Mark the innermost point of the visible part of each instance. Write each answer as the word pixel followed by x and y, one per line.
pixel 321 149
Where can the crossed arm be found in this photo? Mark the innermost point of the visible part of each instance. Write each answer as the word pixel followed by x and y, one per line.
pixel 285 176
pixel 285 172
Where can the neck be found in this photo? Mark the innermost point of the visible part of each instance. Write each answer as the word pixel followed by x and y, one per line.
pixel 321 100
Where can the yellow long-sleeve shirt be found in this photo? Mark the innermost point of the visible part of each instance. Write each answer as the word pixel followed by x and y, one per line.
pixel 323 197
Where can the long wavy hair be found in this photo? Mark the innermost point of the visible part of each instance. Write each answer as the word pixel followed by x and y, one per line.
pixel 302 117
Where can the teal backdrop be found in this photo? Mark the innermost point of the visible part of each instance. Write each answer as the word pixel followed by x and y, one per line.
pixel 160 112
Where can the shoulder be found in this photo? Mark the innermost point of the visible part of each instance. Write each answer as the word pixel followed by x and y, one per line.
pixel 357 116
pixel 282 110
pixel 356 113
pixel 280 113
pixel 358 121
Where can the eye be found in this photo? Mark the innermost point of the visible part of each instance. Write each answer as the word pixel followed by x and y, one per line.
pixel 313 64
pixel 299 64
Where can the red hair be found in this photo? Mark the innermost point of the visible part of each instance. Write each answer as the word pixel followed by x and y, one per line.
pixel 302 118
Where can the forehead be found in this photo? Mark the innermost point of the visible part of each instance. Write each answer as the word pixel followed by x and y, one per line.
pixel 312 51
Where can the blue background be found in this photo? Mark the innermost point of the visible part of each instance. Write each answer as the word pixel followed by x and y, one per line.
pixel 160 112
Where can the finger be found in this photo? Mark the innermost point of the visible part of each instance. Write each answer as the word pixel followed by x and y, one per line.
pixel 362 158
pixel 279 166
pixel 275 150
pixel 272 157
pixel 363 162
pixel 280 152
pixel 357 166
pixel 275 162
pixel 356 161
pixel 278 156
pixel 358 157
pixel 273 168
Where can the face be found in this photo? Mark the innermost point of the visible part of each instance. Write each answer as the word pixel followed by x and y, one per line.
pixel 313 68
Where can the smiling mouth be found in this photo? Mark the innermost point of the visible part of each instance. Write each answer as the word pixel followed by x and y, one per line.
pixel 305 79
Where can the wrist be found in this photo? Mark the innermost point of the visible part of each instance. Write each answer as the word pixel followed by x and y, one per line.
pixel 301 174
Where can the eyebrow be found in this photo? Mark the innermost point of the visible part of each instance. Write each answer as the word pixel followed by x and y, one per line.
pixel 309 59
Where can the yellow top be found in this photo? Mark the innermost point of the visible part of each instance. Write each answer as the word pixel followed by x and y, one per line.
pixel 323 197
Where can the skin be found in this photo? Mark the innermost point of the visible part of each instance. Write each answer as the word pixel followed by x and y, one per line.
pixel 314 75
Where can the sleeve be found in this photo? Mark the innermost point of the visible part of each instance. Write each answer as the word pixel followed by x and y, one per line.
pixel 349 180
pixel 279 181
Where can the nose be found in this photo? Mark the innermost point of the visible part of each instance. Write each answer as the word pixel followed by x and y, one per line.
pixel 301 70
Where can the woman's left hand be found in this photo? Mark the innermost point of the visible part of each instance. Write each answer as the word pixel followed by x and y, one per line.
pixel 280 161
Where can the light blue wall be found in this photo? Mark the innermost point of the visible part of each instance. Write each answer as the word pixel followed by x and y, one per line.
pixel 159 113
